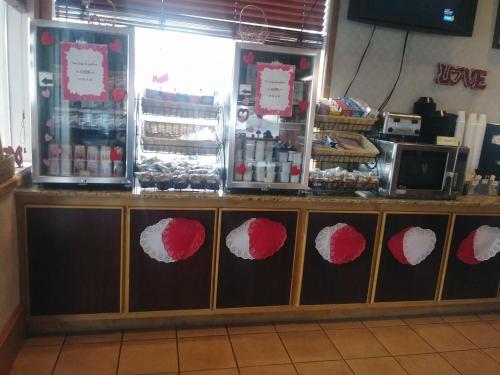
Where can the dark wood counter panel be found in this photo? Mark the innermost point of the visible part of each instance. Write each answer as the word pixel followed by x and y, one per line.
pixel 97 259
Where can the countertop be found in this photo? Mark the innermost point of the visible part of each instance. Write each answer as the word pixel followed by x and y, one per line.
pixel 219 197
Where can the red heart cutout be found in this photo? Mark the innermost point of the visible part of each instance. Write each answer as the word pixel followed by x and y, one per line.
pixel 249 58
pixel 346 245
pixel 240 169
pixel 304 64
pixel 46 39
pixel 115 154
pixel 303 105
pixel 161 79
pixel 118 95
pixel 266 237
pixel 182 238
pixel 295 171
pixel 116 46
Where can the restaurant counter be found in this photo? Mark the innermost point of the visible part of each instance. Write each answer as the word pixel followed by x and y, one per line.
pixel 102 259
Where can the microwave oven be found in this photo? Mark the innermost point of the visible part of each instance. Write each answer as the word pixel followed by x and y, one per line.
pixel 421 171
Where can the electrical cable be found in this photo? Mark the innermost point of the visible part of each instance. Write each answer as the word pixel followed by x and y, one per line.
pixel 299 37
pixel 361 60
pixel 388 98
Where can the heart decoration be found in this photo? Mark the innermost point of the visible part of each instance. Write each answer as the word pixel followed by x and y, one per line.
pixel 295 171
pixel 303 105
pixel 47 162
pixel 48 137
pixel 46 39
pixel 18 154
pixel 118 95
pixel 116 46
pixel 46 93
pixel 240 169
pixel 245 101
pixel 249 58
pixel 161 79
pixel 116 154
pixel 50 123
pixel 243 114
pixel 250 129
pixel 58 150
pixel 304 64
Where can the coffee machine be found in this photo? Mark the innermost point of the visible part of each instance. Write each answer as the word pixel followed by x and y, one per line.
pixel 434 122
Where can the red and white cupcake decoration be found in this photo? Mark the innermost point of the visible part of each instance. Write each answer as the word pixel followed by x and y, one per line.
pixel 173 239
pixel 412 245
pixel 256 239
pixel 340 243
pixel 480 245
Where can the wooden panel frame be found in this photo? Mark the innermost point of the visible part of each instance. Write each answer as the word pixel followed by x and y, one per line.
pixel 294 260
pixel 373 262
pixel 126 291
pixel 379 253
pixel 445 262
pixel 23 250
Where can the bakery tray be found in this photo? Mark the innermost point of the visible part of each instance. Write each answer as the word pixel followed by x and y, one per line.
pixel 329 154
pixel 344 123
pixel 179 109
pixel 177 146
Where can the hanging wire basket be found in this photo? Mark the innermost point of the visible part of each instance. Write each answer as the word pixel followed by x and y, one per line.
pixel 249 31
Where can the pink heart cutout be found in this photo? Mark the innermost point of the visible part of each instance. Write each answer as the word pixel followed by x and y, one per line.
pixel 46 93
pixel 50 123
pixel 48 137
pixel 47 162
pixel 304 64
pixel 116 46
pixel 303 105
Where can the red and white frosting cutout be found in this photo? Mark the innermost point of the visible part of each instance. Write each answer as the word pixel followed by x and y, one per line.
pixel 173 239
pixel 256 238
pixel 412 245
pixel 480 245
pixel 340 243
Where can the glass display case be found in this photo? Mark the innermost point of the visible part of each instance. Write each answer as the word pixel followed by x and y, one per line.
pixel 82 113
pixel 272 117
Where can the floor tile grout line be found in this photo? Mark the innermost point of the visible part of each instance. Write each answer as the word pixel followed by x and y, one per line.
pixel 232 350
pixel 423 338
pixel 461 334
pixel 288 354
pixel 331 342
pixel 177 350
pixel 489 355
pixel 59 354
pixel 451 364
pixel 378 340
pixel 401 365
pixel 119 353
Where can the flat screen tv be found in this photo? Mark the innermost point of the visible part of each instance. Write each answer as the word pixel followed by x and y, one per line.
pixel 453 17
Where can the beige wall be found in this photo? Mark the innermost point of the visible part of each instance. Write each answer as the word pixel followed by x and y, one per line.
pixel 424 52
pixel 9 265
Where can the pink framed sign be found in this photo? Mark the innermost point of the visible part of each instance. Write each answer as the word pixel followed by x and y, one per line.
pixel 84 71
pixel 274 89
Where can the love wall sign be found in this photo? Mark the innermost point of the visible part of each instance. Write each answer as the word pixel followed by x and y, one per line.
pixel 451 75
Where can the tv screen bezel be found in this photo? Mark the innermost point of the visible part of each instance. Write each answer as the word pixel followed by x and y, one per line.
pixel 465 24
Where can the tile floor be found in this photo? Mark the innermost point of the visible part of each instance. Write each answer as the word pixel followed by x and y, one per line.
pixel 448 345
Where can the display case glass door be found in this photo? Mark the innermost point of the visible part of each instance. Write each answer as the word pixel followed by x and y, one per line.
pixel 82 104
pixel 272 113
